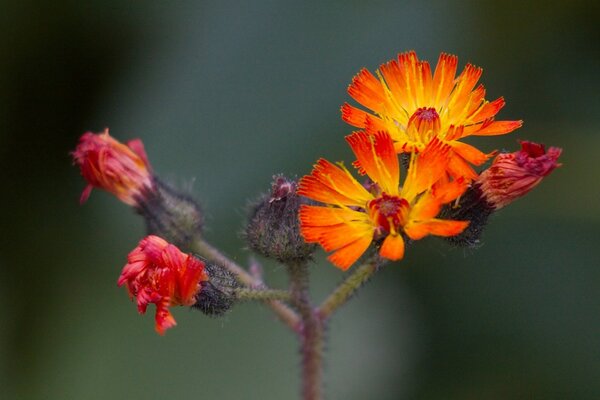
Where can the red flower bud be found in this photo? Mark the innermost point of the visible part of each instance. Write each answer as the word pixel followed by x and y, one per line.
pixel 158 272
pixel 513 175
pixel 120 169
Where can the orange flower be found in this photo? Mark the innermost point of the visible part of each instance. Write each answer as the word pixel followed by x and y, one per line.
pixel 414 107
pixel 513 175
pixel 356 216
pixel 120 169
pixel 158 272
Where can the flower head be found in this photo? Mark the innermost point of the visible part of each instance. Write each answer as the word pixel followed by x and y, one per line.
pixel 121 169
pixel 355 216
pixel 158 272
pixel 415 106
pixel 513 175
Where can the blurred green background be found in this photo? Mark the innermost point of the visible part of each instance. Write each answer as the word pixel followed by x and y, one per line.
pixel 225 94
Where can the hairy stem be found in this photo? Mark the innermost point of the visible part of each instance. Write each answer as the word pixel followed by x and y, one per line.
pixel 311 334
pixel 347 288
pixel 283 312
pixel 262 294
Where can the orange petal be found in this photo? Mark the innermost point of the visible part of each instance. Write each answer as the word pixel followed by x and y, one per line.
pixel 347 255
pixel 367 90
pixel 398 79
pixel 491 128
pixel 392 247
pixel 426 207
pixel 438 227
pixel 470 153
pixel 331 184
pixel 465 83
pixel 426 169
pixel 488 110
pixel 458 167
pixel 443 79
pixel 338 236
pixel 377 158
pixel 446 192
pixel 354 116
pixel 325 216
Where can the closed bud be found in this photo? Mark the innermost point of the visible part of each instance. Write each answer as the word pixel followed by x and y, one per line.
pixel 119 168
pixel 511 175
pixel 217 293
pixel 273 228
pixel 170 214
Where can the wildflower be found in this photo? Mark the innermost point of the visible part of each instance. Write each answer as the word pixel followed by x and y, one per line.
pixel 121 169
pixel 414 107
pixel 355 216
pixel 513 175
pixel 158 272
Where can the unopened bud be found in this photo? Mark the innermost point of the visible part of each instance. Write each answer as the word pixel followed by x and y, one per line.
pixel 170 214
pixel 273 228
pixel 510 176
pixel 217 293
pixel 513 175
pixel 119 168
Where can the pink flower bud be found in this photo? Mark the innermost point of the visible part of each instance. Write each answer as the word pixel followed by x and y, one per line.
pixel 120 169
pixel 513 175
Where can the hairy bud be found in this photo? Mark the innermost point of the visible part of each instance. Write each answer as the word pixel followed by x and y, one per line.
pixel 171 215
pixel 472 207
pixel 217 294
pixel 273 228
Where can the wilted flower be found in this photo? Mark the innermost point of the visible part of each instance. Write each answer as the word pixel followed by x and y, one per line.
pixel 415 106
pixel 356 216
pixel 158 272
pixel 121 169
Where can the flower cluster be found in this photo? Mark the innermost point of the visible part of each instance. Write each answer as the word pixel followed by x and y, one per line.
pixel 423 116
pixel 419 180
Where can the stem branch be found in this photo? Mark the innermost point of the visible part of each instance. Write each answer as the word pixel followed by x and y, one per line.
pixel 283 312
pixel 262 294
pixel 347 288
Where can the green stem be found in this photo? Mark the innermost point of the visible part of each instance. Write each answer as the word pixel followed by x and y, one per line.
pixel 262 294
pixel 347 288
pixel 283 312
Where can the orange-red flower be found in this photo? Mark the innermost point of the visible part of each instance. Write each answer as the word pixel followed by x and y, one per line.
pixel 158 272
pixel 513 175
pixel 355 216
pixel 415 106
pixel 121 169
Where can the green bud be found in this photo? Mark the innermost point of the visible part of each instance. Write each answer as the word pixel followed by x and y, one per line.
pixel 273 228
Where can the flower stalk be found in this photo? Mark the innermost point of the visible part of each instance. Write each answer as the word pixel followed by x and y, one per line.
pixel 355 280
pixel 310 333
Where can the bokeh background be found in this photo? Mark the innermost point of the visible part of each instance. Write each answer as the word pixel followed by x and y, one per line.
pixel 225 94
